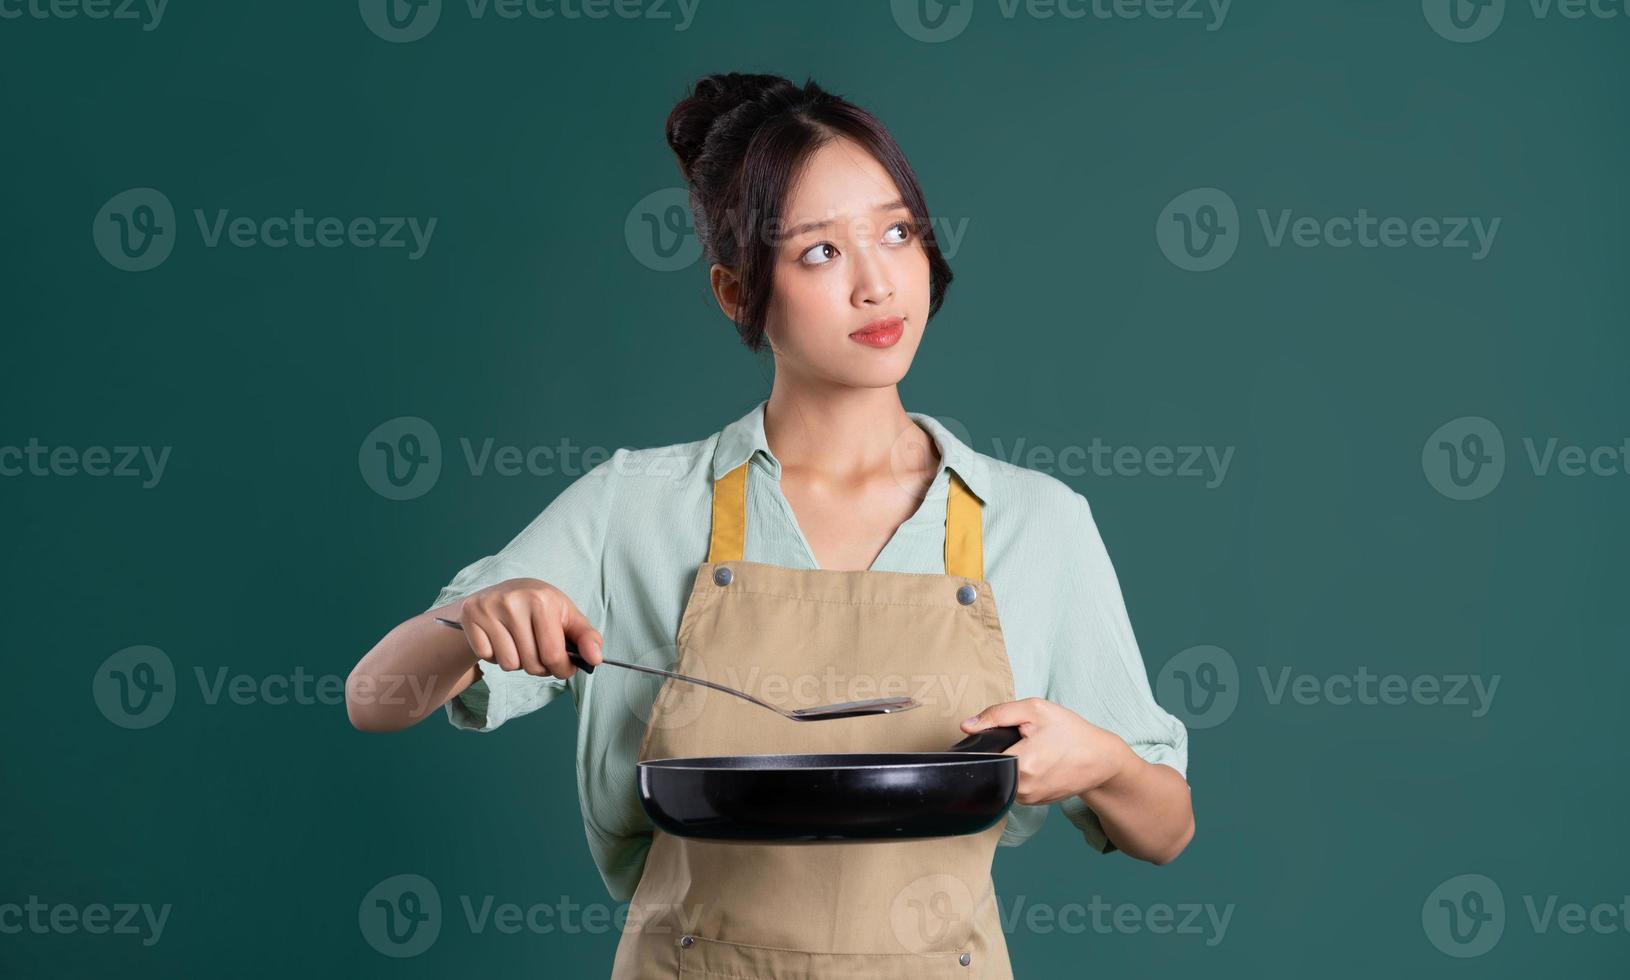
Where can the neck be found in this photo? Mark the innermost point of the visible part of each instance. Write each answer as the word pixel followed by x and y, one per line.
pixel 842 433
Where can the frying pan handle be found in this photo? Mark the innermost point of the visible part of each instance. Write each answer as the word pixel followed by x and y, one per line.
pixel 990 740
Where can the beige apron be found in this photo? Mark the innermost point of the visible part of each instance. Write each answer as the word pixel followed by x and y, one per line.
pixel 800 637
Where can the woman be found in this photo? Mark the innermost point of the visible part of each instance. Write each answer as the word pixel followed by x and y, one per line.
pixel 849 546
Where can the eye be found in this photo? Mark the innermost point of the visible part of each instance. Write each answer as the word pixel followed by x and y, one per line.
pixel 905 231
pixel 819 254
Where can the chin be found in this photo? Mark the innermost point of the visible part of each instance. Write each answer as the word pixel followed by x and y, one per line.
pixel 878 376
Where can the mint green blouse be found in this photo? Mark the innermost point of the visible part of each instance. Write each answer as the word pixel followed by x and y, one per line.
pixel 624 539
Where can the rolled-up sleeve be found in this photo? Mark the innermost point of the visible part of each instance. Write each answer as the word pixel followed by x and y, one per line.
pixel 1096 669
pixel 564 546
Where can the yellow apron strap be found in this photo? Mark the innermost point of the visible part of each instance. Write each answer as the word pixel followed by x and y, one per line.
pixel 729 516
pixel 964 524
pixel 964 531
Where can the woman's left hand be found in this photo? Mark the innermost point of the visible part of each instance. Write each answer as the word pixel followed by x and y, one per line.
pixel 1062 754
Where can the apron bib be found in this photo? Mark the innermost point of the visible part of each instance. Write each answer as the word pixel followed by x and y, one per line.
pixel 878 910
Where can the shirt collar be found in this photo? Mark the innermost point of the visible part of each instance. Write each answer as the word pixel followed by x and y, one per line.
pixel 742 439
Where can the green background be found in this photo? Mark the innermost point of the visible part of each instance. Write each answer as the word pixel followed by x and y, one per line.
pixel 530 320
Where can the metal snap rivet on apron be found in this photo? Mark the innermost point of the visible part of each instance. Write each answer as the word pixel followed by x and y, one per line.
pixel 965 959
pixel 966 595
pixel 689 941
pixel 722 575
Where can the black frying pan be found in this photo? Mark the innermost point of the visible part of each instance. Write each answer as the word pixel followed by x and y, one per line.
pixel 837 797
pixel 833 797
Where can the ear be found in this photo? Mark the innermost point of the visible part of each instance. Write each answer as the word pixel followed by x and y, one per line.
pixel 726 290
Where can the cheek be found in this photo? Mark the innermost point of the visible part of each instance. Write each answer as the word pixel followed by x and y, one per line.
pixel 803 303
pixel 911 289
pixel 913 279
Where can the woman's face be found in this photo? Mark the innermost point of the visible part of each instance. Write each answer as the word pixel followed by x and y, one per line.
pixel 848 257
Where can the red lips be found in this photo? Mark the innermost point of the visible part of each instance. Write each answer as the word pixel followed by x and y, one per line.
pixel 880 333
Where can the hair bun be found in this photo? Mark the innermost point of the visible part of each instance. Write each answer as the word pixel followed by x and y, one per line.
pixel 712 97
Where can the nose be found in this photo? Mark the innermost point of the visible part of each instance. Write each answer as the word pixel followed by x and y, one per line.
pixel 874 282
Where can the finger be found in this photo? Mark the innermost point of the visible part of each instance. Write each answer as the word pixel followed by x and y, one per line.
pixel 551 648
pixel 480 643
pixel 588 639
pixel 551 642
pixel 590 644
pixel 503 645
pixel 1008 714
pixel 518 618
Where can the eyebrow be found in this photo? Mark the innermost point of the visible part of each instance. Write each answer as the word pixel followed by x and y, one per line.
pixel 808 226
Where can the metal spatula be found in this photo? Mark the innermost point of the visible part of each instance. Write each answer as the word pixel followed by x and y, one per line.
pixel 824 712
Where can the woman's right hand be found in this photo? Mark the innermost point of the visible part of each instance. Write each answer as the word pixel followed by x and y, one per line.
pixel 523 624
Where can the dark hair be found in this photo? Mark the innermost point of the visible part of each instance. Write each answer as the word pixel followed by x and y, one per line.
pixel 741 140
